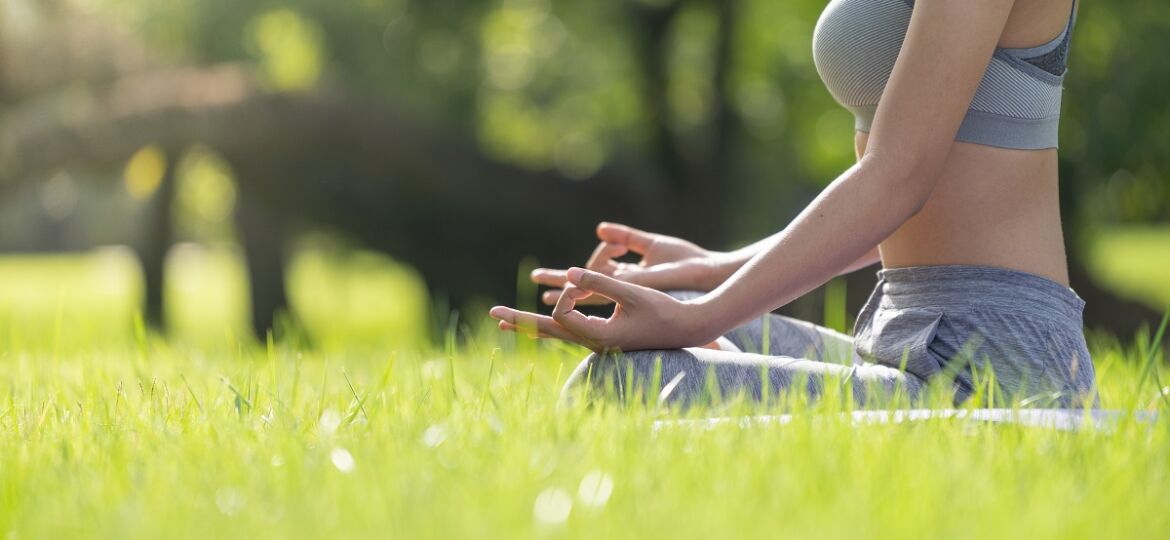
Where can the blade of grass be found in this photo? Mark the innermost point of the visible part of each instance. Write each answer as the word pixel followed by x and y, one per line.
pixel 1148 366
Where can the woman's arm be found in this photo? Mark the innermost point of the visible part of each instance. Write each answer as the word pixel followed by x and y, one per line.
pixel 947 48
pixel 668 263
pixel 728 263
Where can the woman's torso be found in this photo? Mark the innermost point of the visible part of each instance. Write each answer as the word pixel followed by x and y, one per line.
pixel 992 206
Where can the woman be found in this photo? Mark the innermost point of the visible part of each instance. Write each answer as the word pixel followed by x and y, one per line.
pixel 954 191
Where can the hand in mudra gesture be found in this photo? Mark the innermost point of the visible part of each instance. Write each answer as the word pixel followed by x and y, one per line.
pixel 667 263
pixel 643 318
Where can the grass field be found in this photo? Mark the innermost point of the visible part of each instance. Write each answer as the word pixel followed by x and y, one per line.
pixel 362 425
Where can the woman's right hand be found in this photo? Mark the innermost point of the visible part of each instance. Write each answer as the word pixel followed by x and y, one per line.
pixel 668 263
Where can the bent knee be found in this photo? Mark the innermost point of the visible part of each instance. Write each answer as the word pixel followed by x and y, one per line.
pixel 618 375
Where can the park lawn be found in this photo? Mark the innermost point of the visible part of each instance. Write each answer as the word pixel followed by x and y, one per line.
pixel 363 425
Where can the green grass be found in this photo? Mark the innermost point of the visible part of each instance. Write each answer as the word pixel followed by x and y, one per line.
pixel 372 430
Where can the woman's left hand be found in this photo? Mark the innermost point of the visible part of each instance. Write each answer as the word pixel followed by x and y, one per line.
pixel 643 318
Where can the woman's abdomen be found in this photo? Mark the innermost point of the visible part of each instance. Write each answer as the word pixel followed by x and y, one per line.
pixel 990 207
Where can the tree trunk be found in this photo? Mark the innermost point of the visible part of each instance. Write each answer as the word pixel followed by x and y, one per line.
pixel 264 236
pixel 159 234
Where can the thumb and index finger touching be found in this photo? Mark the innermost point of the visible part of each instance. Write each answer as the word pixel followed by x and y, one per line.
pixel 585 283
pixel 602 260
pixel 616 240
pixel 609 287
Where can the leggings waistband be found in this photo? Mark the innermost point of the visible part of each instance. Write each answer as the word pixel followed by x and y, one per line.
pixel 969 286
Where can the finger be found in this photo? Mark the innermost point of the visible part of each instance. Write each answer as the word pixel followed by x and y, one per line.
pixel 534 323
pixel 564 314
pixel 618 291
pixel 603 256
pixel 638 241
pixel 549 277
pixel 509 327
pixel 573 295
pixel 551 297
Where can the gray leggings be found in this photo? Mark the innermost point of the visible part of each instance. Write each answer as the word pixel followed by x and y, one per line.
pixel 955 322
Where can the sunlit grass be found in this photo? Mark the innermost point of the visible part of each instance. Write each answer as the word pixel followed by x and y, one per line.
pixel 107 430
pixel 95 296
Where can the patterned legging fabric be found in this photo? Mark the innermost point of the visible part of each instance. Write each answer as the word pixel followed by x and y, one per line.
pixel 775 352
pixel 1018 335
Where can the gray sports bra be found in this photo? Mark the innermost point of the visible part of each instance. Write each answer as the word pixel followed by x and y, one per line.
pixel 1017 104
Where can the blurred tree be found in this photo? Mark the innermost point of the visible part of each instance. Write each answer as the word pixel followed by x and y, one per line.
pixel 459 136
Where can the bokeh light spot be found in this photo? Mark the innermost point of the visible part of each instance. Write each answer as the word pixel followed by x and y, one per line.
pixel 289 48
pixel 144 172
